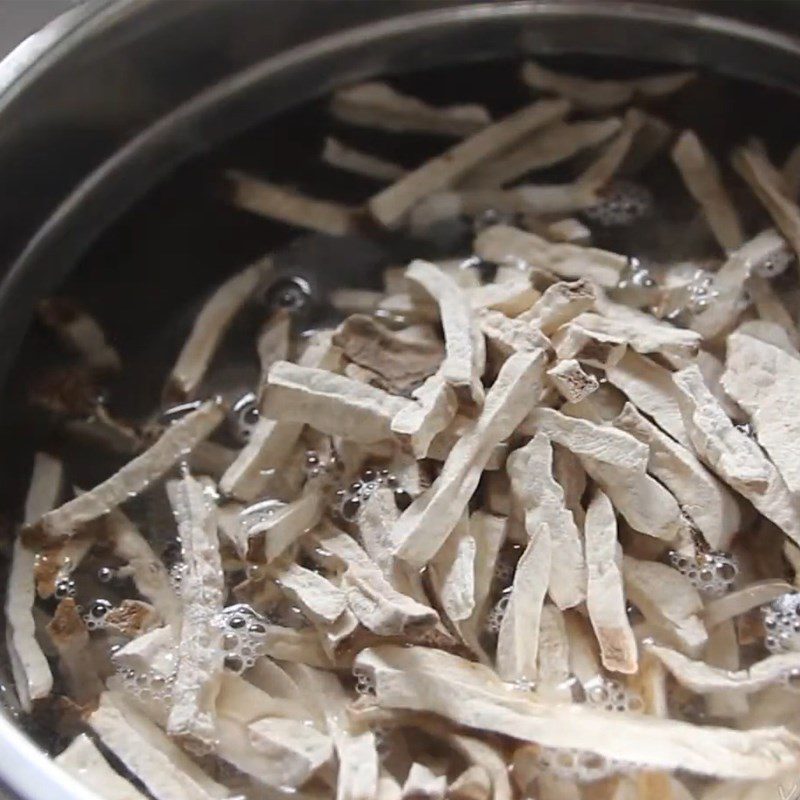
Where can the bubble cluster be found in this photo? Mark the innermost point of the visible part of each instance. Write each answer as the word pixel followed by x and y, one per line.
pixel 578 765
pixel 244 636
pixel 244 417
pixel 290 292
pixel 711 573
pixel 636 276
pixel 700 292
pixel 494 619
pixel 365 685
pixel 95 617
pixel 349 500
pixel 782 623
pixel 148 686
pixel 612 695
pixel 317 467
pixel 621 203
pixel 65 587
pixel 106 574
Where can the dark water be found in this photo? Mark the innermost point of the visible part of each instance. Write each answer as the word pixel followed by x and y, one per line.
pixel 145 276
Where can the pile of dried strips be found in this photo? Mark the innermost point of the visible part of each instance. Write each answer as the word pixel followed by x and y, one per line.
pixel 537 536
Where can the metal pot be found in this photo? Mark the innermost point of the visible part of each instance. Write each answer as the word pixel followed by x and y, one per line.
pixel 105 102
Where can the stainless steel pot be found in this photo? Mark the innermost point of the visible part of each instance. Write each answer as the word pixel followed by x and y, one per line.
pixel 106 101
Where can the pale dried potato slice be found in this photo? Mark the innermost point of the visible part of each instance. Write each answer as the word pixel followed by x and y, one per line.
pixel 294 749
pixel 733 455
pixel 605 594
pixel 391 205
pixel 210 326
pixel 505 336
pixel 474 783
pixel 784 788
pixel 376 520
pixel 340 155
pixel 572 381
pixel 512 297
pixel 139 473
pixel 553 673
pixel 723 652
pixel 444 442
pixel 602 94
pixel 270 537
pixel 422 783
pixel 319 599
pixel 388 788
pixel 288 206
pixel 166 771
pixel 356 301
pixel 587 439
pixel 296 647
pixel 272 442
pixel 401 359
pixel 86 763
pixel 762 379
pixel 711 368
pixel 426 523
pixel 541 498
pixel 700 173
pixel 358 772
pixel 706 500
pixel 377 605
pixel 552 145
pixel 33 679
pixel 569 472
pixel 270 445
pixel 668 602
pixel 731 280
pixel 419 423
pixel 561 303
pixel 465 357
pixel 330 403
pixel 743 600
pixel 518 640
pixel 584 654
pixel 606 165
pixel 273 344
pixel 200 656
pixel 767 185
pixel 704 679
pixel 573 341
pixel 70 636
pixel 489 532
pixel 452 572
pixel 423 679
pixel 150 576
pixel 645 335
pixel 650 388
pixel 766 331
pixel 772 313
pixel 504 244
pixel 80 332
pixel 378 105
pixel 569 230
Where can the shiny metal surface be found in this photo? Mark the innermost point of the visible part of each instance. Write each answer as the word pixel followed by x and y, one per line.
pixel 94 111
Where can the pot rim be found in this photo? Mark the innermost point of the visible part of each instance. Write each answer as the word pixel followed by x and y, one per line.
pixel 25 770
